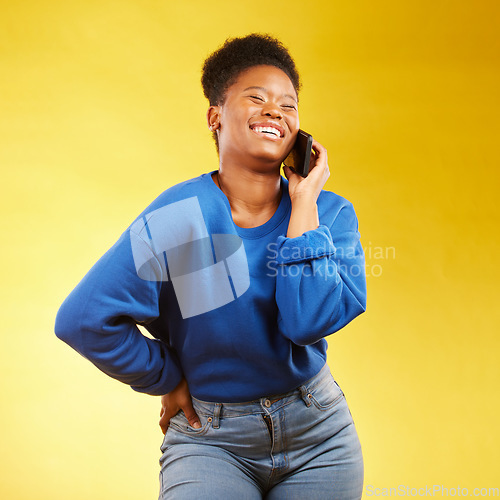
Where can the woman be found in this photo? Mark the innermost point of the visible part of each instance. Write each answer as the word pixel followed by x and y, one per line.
pixel 239 274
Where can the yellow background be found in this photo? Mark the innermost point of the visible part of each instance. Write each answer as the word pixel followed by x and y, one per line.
pixel 101 109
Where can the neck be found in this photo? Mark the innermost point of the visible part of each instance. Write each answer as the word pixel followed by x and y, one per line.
pixel 253 196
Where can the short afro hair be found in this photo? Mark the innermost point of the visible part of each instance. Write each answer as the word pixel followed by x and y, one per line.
pixel 221 69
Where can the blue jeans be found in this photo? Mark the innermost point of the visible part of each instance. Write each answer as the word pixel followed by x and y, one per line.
pixel 299 445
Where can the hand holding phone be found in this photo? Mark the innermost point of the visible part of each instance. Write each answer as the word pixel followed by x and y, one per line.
pixel 299 157
pixel 307 189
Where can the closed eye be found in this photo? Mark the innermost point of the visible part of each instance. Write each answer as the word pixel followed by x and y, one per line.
pixel 257 97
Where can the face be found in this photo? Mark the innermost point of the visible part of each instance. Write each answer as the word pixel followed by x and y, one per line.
pixel 259 120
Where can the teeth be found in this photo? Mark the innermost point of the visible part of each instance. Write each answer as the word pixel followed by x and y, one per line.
pixel 268 130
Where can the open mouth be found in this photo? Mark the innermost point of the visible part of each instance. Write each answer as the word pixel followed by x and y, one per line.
pixel 268 131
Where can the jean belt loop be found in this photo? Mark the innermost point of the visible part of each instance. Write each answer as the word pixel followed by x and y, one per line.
pixel 306 397
pixel 215 421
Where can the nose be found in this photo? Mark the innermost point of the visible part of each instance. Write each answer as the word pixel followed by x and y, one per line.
pixel 272 110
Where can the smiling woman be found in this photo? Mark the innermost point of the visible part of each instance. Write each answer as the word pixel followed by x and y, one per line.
pixel 249 407
pixel 264 112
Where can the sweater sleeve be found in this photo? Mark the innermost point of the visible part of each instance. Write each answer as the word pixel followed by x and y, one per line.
pixel 321 283
pixel 99 319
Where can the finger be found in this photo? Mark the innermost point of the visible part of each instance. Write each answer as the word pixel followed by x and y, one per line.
pixel 318 148
pixel 164 423
pixel 288 171
pixel 165 417
pixel 321 158
pixel 191 416
pixel 169 413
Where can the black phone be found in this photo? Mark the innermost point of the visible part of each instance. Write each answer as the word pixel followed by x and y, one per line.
pixel 300 155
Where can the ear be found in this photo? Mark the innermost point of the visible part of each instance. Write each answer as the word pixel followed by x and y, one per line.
pixel 213 117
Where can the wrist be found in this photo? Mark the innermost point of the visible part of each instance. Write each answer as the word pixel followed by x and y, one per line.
pixel 304 200
pixel 304 217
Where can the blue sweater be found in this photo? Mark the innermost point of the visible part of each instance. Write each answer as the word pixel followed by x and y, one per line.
pixel 240 312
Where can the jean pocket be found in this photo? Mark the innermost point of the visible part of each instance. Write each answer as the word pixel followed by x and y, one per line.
pixel 326 394
pixel 180 424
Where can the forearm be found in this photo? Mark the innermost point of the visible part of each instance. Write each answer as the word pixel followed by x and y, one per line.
pixel 99 317
pixel 321 284
pixel 316 299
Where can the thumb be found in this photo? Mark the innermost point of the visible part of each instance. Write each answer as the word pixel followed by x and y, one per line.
pixel 192 417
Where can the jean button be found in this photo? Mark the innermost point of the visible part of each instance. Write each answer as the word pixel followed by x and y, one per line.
pixel 267 403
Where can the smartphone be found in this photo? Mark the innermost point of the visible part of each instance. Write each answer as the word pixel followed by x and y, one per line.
pixel 300 155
